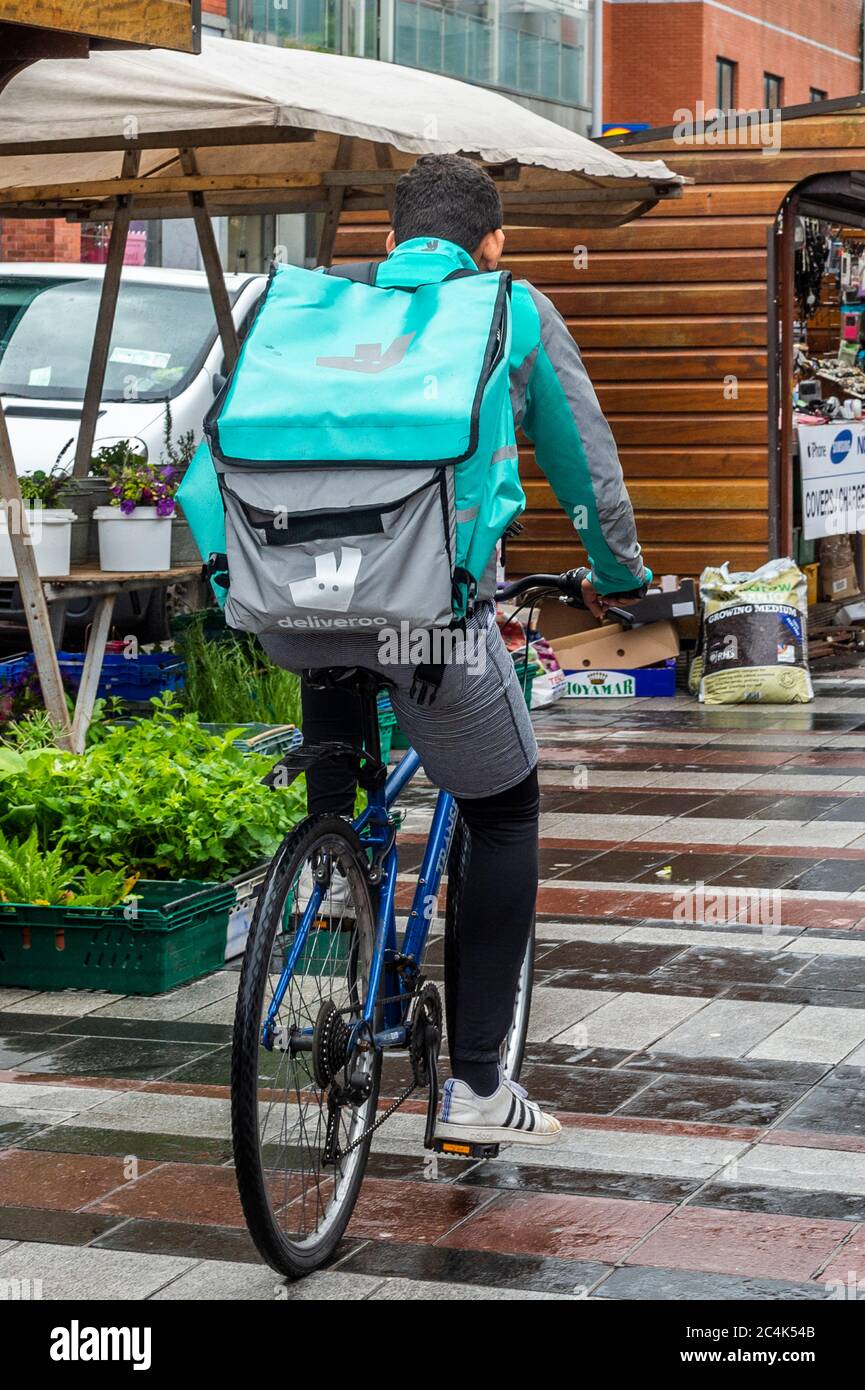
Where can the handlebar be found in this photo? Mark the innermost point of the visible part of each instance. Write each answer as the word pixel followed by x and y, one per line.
pixel 543 583
pixel 566 588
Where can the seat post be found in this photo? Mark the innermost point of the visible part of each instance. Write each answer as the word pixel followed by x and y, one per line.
pixel 368 692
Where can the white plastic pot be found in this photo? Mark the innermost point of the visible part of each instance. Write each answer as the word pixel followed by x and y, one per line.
pixel 51 539
pixel 139 542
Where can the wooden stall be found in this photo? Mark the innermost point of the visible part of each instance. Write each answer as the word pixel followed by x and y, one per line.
pixel 34 29
pixel 679 317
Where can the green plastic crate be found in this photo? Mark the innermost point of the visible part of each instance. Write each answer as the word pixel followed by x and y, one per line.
pixel 272 739
pixel 172 933
pixel 387 726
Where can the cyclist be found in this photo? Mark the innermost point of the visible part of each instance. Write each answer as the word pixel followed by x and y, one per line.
pixel 476 738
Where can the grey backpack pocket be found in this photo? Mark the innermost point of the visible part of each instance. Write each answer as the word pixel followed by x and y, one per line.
pixel 341 549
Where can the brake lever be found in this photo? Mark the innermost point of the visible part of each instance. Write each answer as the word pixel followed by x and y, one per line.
pixel 624 616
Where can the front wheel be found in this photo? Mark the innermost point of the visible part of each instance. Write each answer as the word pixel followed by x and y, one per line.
pixel 287 1060
pixel 514 1043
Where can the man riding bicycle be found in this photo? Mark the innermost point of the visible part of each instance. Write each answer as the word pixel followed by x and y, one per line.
pixel 475 738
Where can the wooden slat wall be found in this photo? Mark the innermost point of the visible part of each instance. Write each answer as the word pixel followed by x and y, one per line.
pixel 666 311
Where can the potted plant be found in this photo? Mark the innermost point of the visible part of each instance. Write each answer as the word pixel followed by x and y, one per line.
pixel 49 526
pixel 135 530
pixel 83 496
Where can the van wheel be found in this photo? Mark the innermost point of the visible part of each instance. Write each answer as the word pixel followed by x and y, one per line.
pixel 187 596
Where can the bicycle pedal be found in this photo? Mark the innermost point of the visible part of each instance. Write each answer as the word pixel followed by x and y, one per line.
pixel 452 1149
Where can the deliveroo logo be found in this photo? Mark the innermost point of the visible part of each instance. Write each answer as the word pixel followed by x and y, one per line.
pixel 369 358
pixel 332 586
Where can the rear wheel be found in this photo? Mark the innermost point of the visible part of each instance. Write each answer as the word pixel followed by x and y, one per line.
pixel 514 1043
pixel 297 1204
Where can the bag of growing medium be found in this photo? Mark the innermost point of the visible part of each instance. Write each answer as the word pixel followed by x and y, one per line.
pixel 365 452
pixel 753 641
pixel 754 645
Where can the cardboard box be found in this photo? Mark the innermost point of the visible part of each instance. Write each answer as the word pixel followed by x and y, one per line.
pixel 618 685
pixel 838 581
pixel 610 648
pixel 667 604
pixel 838 578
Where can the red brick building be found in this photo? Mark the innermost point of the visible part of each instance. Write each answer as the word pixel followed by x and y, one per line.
pixel 662 56
pixel 56 240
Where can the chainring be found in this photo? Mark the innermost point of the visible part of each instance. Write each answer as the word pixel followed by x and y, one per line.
pixel 427 1012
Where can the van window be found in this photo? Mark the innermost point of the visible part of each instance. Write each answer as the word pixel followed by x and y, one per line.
pixel 161 336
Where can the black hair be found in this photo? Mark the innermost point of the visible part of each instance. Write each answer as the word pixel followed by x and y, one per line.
pixel 447 196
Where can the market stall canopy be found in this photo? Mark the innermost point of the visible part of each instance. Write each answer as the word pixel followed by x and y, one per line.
pixel 250 126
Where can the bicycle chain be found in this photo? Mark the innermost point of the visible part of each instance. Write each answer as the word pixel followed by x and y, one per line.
pixel 370 1129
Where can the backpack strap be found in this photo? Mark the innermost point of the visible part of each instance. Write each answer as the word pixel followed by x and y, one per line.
pixel 362 272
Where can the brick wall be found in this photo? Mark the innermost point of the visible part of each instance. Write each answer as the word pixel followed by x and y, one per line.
pixel 37 240
pixel 661 57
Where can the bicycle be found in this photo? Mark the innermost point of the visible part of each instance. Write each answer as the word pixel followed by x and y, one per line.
pixel 326 989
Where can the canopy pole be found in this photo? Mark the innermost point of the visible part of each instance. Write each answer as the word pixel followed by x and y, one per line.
pixel 102 338
pixel 336 198
pixel 32 593
pixel 384 160
pixel 212 266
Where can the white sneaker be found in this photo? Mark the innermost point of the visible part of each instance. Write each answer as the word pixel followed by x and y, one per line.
pixel 337 901
pixel 505 1117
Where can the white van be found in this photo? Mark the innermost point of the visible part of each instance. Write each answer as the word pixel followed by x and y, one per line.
pixel 164 347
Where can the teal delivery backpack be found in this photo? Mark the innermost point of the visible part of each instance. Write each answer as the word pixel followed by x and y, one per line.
pixel 365 453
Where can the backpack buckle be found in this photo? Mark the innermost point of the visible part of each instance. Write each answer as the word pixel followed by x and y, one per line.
pixel 425 684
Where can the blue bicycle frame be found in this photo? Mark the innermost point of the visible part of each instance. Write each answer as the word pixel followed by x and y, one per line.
pixel 375 828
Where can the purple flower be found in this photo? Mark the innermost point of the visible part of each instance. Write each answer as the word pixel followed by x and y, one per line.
pixel 165 506
pixel 127 506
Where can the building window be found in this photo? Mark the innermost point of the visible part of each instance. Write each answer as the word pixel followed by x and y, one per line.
pixel 725 75
pixel 534 49
pixel 773 91
pixel 817 94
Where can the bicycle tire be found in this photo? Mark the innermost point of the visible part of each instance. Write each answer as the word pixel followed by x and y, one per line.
pixel 514 1046
pixel 290 1257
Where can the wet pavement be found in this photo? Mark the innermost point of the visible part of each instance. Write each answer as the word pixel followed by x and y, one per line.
pixel 698 1027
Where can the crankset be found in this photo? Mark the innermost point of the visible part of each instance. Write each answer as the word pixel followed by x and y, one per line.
pixel 423 1050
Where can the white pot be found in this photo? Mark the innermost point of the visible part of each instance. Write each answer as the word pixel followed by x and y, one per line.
pixel 51 538
pixel 139 542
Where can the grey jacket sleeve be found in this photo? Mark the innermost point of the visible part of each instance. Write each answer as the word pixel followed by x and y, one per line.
pixel 575 449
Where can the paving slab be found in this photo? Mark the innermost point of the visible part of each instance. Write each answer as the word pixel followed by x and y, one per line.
pixel 632 1020
pixel 727 1028
pixel 86 1274
pixel 815 1034
pixel 224 1279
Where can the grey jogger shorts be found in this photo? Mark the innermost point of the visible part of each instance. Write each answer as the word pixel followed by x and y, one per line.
pixel 476 739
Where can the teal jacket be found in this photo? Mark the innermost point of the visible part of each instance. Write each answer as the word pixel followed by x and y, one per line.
pixel 555 405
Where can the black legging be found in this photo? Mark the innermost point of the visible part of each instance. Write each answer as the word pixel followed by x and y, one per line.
pixel 498 896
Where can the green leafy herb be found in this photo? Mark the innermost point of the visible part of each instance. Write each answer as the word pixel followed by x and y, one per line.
pixel 29 874
pixel 162 797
